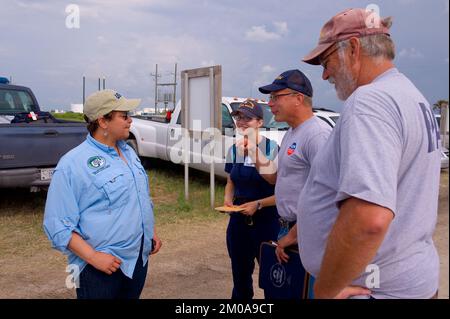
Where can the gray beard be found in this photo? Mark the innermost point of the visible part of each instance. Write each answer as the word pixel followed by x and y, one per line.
pixel 346 84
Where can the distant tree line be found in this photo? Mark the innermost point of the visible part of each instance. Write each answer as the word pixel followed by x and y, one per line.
pixel 69 116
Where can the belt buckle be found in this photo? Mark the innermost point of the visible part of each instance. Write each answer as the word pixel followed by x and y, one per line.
pixel 283 223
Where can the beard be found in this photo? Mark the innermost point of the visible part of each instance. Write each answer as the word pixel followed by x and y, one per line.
pixel 344 82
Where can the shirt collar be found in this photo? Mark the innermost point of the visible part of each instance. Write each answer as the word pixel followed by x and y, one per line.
pixel 387 73
pixel 106 148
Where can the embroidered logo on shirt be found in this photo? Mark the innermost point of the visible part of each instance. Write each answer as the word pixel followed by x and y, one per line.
pixel 291 149
pixel 96 162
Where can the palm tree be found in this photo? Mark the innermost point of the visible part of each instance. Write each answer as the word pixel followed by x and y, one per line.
pixel 439 105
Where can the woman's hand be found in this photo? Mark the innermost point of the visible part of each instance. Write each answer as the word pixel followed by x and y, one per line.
pixel 229 192
pixel 249 208
pixel 158 244
pixel 228 202
pixel 104 262
pixel 246 146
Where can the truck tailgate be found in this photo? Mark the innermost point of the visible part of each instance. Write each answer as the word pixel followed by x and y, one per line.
pixel 38 144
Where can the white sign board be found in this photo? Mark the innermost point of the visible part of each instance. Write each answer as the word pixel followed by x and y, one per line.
pixel 201 95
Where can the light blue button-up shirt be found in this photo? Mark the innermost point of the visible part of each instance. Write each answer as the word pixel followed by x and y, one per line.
pixel 105 200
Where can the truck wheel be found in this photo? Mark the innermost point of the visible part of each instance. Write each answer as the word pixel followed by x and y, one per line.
pixel 133 145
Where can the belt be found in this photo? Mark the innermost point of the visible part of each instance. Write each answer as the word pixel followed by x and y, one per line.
pixel 286 224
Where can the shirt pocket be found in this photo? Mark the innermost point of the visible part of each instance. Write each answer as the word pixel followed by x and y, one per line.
pixel 141 176
pixel 115 187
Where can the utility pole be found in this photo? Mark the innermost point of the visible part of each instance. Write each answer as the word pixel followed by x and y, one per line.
pixel 84 89
pixel 156 76
pixel 174 84
pixel 175 87
pixel 104 83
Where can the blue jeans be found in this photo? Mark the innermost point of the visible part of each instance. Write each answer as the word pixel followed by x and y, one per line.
pixel 95 284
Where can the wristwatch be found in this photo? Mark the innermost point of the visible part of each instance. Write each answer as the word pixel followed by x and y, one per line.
pixel 259 205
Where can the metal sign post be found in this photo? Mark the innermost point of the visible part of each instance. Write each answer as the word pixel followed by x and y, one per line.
pixel 212 139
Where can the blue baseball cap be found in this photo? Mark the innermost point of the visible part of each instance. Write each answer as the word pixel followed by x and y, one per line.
pixel 250 108
pixel 292 79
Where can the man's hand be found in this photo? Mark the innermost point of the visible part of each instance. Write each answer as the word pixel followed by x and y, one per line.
pixel 104 262
pixel 281 254
pixel 345 293
pixel 285 241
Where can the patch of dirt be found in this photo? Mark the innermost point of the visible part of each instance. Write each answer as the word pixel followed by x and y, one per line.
pixel 193 263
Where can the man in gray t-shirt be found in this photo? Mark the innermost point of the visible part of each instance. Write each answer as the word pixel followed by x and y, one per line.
pixel 297 151
pixel 368 210
pixel 291 102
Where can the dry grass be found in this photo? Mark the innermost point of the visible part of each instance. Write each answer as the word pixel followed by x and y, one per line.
pixel 21 212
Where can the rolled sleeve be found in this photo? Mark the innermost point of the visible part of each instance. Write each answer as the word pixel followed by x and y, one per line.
pixel 61 212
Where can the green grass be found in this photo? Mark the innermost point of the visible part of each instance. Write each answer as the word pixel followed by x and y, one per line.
pixel 21 212
pixel 70 116
pixel 167 191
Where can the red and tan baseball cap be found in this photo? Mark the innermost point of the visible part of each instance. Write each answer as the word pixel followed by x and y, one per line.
pixel 343 26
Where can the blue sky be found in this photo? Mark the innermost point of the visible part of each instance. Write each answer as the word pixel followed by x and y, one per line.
pixel 254 41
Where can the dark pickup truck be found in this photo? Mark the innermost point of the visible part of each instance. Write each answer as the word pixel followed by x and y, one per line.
pixel 31 141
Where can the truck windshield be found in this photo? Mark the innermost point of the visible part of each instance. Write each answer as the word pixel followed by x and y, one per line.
pixel 269 119
pixel 15 101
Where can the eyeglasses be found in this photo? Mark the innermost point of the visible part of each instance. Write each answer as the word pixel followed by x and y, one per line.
pixel 242 118
pixel 124 115
pixel 324 60
pixel 274 98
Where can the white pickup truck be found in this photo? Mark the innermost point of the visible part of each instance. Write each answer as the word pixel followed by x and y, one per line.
pixel 161 137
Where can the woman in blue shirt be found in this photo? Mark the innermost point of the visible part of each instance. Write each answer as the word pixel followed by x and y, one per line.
pixel 258 221
pixel 98 209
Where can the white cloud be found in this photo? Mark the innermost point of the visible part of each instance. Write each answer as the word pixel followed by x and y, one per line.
pixel 39 6
pixel 411 53
pixel 281 27
pixel 207 63
pixel 267 69
pixel 101 39
pixel 260 33
pixel 266 76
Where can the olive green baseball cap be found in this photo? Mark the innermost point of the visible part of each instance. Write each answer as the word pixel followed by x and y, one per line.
pixel 105 101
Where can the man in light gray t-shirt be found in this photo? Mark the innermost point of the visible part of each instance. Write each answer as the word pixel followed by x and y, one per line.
pixel 368 211
pixel 297 151
pixel 291 102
